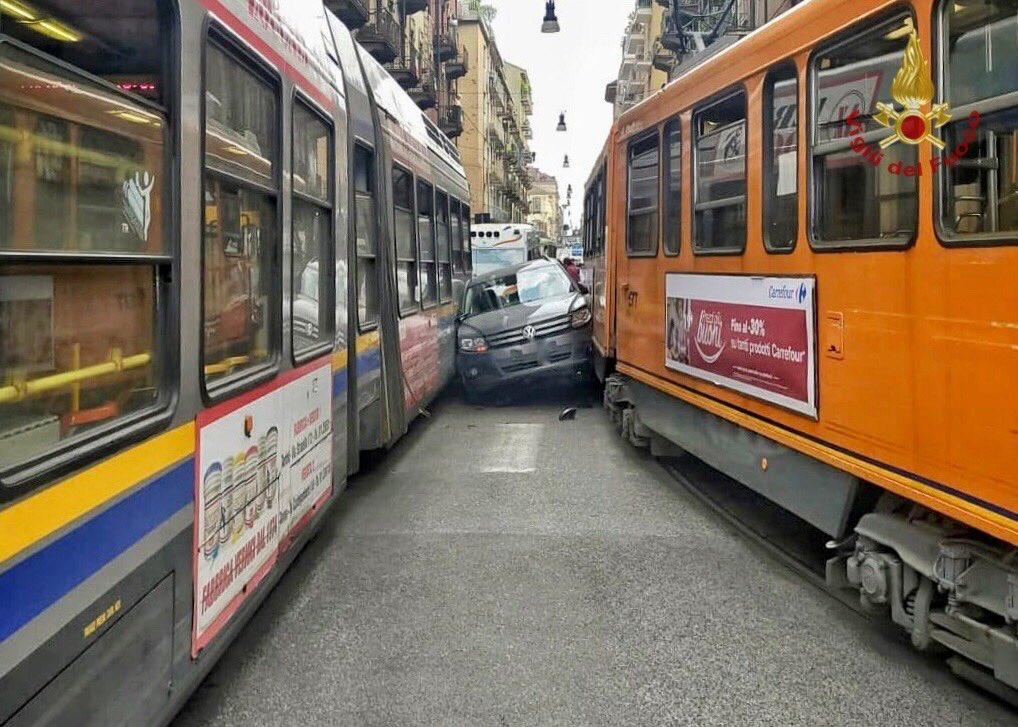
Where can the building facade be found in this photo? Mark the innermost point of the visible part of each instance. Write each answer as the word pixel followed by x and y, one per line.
pixel 664 38
pixel 545 206
pixel 497 105
pixel 416 41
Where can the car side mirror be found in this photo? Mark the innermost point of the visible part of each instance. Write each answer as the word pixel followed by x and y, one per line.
pixel 583 288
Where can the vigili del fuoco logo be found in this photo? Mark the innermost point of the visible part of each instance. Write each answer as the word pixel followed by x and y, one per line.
pixel 912 90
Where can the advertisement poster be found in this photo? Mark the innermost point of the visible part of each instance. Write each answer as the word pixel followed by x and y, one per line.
pixel 264 463
pixel 755 335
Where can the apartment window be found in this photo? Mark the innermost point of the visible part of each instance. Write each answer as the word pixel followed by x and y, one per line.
pixel 979 194
pixel 85 250
pixel 426 243
pixel 312 269
pixel 673 188
pixel 367 238
pixel 857 201
pixel 644 178
pixel 719 194
pixel 781 162
pixel 241 238
pixel 443 237
pixel 406 240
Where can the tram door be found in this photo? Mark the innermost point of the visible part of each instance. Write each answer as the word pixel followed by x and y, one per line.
pixel 636 321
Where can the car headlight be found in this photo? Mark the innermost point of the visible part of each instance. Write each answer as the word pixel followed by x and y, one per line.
pixel 472 342
pixel 580 317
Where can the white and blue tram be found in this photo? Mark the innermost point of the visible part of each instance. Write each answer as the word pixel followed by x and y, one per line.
pixel 230 250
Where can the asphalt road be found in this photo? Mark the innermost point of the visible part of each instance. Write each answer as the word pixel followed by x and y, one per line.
pixel 501 567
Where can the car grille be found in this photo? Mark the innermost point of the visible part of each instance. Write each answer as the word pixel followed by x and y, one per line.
pixel 520 366
pixel 544 328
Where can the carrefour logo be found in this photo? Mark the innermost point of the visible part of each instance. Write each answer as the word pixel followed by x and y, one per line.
pixel 787 292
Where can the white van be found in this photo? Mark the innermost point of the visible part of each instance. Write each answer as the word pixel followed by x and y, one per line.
pixel 500 245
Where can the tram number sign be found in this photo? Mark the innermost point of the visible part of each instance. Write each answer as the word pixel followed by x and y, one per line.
pixel 755 335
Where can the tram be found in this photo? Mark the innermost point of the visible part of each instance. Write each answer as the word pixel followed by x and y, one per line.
pixel 230 250
pixel 803 253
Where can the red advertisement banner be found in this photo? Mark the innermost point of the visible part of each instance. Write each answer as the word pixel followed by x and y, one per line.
pixel 754 335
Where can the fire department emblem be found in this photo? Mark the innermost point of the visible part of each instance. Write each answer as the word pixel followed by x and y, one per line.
pixel 912 89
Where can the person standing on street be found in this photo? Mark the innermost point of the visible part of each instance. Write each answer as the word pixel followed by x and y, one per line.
pixel 571 269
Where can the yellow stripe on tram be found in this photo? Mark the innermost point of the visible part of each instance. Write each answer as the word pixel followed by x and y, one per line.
pixel 367 341
pixel 31 520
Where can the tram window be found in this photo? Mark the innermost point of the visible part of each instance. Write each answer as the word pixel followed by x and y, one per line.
pixel 426 240
pixel 85 259
pixel 312 268
pixel 240 120
pixel 240 230
pixel 444 247
pixel 719 161
pixel 88 164
pixel 406 241
pixel 468 262
pixel 781 164
pixel 367 238
pixel 673 186
pixel 644 169
pixel 123 43
pixel 457 236
pixel 979 194
pixel 858 203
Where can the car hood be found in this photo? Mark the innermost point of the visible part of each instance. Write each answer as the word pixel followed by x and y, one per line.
pixel 498 321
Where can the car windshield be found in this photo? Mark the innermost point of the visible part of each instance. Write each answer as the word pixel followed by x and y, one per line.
pixel 528 285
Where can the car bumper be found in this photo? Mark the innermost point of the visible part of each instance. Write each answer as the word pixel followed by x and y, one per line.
pixel 564 355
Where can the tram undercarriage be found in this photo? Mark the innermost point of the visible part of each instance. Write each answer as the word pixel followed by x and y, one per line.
pixel 954 591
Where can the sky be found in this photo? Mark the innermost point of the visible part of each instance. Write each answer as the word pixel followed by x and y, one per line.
pixel 568 72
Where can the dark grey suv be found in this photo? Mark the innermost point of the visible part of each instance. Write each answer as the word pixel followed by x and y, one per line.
pixel 522 322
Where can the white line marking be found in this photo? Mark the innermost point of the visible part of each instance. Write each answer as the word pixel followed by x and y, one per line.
pixel 511 448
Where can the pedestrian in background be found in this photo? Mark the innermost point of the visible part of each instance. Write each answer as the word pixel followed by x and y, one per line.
pixel 572 269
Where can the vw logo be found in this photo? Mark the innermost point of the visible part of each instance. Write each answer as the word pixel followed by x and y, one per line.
pixel 529 332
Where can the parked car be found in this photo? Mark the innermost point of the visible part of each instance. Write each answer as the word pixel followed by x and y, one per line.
pixel 527 321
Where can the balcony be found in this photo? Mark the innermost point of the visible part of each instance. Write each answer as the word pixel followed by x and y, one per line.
pixel 445 47
pixel 406 69
pixel 425 95
pixel 663 60
pixel 353 13
pixel 414 6
pixel 451 121
pixel 611 91
pixel 457 66
pixel 382 36
pixel 673 41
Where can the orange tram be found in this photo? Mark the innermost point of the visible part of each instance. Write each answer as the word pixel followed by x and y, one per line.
pixel 802 254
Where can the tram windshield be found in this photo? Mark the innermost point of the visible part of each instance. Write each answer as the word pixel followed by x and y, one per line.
pixel 526 285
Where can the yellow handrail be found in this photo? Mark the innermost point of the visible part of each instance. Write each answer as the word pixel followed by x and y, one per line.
pixel 227 364
pixel 23 389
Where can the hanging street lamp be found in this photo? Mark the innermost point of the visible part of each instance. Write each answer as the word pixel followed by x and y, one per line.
pixel 550 24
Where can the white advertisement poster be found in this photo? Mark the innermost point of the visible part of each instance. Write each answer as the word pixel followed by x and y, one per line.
pixel 751 334
pixel 264 464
